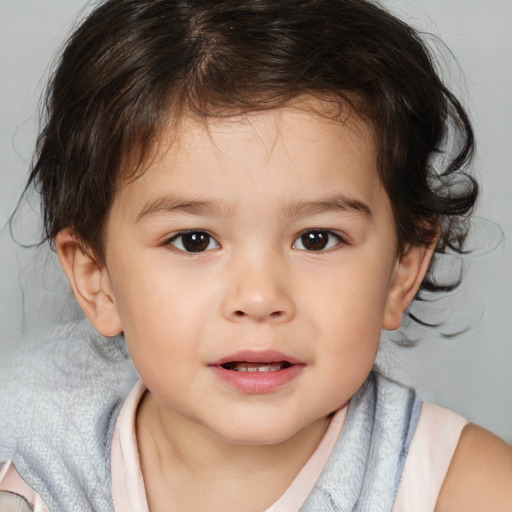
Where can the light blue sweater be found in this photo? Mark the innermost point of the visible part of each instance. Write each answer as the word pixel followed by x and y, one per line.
pixel 59 403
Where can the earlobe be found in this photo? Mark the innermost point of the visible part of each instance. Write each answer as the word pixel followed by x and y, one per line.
pixel 407 277
pixel 90 283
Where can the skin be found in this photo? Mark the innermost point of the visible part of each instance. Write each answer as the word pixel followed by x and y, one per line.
pixel 253 186
pixel 480 475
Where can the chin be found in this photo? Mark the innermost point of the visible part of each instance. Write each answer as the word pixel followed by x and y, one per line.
pixel 258 433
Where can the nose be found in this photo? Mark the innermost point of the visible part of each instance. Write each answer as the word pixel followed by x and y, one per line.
pixel 259 293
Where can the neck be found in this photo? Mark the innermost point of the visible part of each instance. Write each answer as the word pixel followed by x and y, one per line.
pixel 182 460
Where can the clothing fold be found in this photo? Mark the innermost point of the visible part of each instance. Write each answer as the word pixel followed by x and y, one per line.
pixel 364 471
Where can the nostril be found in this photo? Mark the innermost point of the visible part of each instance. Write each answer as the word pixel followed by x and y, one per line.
pixel 259 313
pixel 274 314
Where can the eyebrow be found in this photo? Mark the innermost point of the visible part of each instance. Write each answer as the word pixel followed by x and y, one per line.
pixel 173 204
pixel 335 202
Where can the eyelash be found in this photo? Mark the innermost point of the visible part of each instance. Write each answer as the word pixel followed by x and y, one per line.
pixel 331 241
pixel 177 240
pixel 331 236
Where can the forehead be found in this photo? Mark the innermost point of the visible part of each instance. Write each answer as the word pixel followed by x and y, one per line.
pixel 293 151
pixel 307 122
pixel 184 124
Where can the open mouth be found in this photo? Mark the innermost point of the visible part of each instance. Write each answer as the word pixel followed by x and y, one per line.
pixel 244 366
pixel 254 372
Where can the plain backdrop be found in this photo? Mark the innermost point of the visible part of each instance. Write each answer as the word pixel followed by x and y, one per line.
pixel 470 373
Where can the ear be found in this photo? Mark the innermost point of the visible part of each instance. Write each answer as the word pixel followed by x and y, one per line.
pixel 408 274
pixel 90 283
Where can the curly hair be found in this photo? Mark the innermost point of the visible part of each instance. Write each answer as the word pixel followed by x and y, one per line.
pixel 134 66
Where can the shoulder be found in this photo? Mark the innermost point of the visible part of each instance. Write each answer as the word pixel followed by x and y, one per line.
pixel 430 452
pixel 45 375
pixel 59 399
pixel 480 474
pixel 61 381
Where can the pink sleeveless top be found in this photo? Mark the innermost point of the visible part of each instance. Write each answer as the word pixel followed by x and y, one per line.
pixel 430 454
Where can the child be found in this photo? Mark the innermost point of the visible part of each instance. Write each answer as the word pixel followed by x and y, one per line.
pixel 244 193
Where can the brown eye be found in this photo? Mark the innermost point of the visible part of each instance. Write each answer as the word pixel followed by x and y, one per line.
pixel 194 241
pixel 316 240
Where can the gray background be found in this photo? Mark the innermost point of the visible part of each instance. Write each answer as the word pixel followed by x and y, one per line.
pixel 471 373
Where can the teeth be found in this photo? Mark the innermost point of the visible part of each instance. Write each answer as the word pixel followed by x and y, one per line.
pixel 256 367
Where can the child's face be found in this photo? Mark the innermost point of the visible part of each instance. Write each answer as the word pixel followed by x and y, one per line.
pixel 295 262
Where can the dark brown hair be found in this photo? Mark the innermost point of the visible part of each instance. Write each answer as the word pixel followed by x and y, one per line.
pixel 134 65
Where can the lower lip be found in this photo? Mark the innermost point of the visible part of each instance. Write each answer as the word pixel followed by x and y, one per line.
pixel 258 382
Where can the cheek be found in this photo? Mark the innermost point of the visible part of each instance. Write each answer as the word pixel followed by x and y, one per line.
pixel 348 316
pixel 163 312
pixel 351 297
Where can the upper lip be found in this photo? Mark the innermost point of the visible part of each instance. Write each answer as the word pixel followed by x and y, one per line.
pixel 256 356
